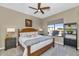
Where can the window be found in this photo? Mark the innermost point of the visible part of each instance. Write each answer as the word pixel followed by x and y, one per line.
pixel 50 29
pixel 57 28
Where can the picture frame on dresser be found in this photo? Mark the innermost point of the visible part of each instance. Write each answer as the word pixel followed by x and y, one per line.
pixel 28 23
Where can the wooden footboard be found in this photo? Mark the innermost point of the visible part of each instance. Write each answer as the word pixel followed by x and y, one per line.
pixel 40 51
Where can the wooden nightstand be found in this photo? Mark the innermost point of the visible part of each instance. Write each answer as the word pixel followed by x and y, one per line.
pixel 10 42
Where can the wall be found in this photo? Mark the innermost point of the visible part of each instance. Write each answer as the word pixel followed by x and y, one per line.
pixel 69 16
pixel 10 18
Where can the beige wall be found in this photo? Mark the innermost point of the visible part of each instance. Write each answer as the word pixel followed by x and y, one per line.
pixel 69 16
pixel 10 18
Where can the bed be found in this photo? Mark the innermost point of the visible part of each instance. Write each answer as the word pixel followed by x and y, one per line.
pixel 34 44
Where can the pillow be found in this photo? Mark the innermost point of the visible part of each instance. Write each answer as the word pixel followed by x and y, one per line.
pixel 29 34
pixel 22 34
pixel 34 34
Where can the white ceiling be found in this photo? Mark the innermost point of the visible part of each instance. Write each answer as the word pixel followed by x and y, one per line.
pixel 54 8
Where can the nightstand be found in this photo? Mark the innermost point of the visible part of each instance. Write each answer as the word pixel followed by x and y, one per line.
pixel 10 42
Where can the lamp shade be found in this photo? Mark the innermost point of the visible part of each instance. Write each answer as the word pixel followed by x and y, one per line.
pixel 10 29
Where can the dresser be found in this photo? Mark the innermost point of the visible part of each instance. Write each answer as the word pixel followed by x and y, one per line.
pixel 10 42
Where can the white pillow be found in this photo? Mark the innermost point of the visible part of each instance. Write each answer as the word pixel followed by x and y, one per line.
pixel 34 34
pixel 22 34
pixel 29 34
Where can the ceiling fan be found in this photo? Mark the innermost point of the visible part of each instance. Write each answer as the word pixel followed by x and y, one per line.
pixel 39 8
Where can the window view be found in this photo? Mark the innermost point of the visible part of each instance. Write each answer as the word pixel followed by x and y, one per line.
pixel 56 29
pixel 50 29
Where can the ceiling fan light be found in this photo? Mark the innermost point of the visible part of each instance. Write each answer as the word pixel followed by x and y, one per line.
pixel 38 10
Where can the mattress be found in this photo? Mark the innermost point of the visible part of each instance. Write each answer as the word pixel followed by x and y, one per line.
pixel 40 45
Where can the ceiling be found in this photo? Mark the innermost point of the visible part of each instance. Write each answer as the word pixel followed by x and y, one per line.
pixel 54 8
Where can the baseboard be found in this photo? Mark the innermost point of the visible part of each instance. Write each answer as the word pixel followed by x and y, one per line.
pixel 2 48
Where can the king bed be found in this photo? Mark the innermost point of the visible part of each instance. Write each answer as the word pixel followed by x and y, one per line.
pixel 32 43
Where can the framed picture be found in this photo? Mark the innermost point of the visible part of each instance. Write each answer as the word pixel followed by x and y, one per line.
pixel 28 23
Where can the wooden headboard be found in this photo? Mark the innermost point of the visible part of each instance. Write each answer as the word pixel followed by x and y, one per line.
pixel 28 30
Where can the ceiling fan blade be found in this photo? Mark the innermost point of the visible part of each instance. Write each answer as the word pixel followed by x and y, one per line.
pixel 35 12
pixel 39 5
pixel 42 11
pixel 33 8
pixel 45 8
